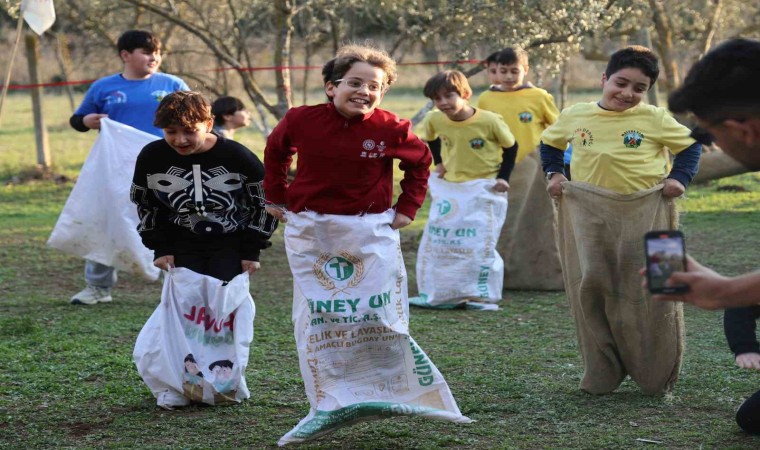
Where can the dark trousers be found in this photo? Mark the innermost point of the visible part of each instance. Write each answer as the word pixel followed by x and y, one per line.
pixel 748 415
pixel 217 257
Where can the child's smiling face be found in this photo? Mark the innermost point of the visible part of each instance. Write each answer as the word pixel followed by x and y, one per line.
pixel 624 89
pixel 351 102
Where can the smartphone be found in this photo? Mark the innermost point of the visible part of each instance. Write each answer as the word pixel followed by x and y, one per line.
pixel 665 253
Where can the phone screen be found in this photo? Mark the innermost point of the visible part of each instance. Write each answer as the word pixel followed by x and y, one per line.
pixel 665 254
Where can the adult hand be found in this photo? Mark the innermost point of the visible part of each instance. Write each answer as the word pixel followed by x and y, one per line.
pixel 250 266
pixel 277 211
pixel 748 361
pixel 705 286
pixel 400 221
pixel 165 262
pixel 440 170
pixel 92 121
pixel 501 185
pixel 555 185
pixel 673 188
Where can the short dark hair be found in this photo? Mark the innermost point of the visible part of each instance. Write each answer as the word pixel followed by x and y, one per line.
pixel 182 108
pixel 449 81
pixel 637 57
pixel 513 55
pixel 224 106
pixel 491 59
pixel 134 39
pixel 723 82
pixel 347 55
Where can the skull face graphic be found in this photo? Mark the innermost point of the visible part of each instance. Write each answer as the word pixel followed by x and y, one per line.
pixel 204 200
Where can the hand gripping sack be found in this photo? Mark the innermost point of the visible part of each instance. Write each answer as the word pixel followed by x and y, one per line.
pixel 457 261
pixel 194 348
pixel 351 320
pixel 98 221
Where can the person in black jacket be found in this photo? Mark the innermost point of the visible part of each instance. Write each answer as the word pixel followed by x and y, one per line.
pixel 739 325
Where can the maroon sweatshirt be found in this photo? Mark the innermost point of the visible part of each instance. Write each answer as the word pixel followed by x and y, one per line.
pixel 345 166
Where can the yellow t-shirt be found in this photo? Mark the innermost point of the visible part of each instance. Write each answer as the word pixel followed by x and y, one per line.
pixel 527 112
pixel 621 151
pixel 470 149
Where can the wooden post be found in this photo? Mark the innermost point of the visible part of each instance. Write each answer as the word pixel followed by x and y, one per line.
pixel 40 130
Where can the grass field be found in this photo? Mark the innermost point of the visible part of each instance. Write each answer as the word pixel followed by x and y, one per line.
pixel 67 379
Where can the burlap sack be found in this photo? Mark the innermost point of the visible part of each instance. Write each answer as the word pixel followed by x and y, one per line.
pixel 527 244
pixel 621 330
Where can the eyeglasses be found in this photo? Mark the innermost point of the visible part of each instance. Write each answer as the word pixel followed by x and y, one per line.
pixel 356 83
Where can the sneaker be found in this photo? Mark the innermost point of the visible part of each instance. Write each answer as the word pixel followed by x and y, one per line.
pixel 92 295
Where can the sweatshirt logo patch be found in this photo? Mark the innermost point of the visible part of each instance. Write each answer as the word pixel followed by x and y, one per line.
pixel 582 137
pixel 525 117
pixel 477 144
pixel 632 138
pixel 372 150
pixel 114 97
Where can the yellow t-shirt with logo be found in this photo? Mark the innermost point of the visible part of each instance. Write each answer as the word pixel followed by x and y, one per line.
pixel 527 112
pixel 470 149
pixel 622 151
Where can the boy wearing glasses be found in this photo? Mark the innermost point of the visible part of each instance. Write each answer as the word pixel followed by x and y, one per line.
pixel 346 147
pixel 623 186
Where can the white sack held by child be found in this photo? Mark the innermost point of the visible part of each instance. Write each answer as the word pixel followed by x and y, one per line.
pixel 351 319
pixel 194 348
pixel 457 261
pixel 99 222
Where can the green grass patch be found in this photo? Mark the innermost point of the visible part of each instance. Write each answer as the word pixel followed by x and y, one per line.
pixel 67 379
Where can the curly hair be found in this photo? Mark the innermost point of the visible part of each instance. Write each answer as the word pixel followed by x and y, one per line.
pixel 182 108
pixel 348 55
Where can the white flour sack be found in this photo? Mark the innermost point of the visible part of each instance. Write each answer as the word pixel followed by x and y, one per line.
pixel 98 221
pixel 351 320
pixel 194 348
pixel 457 261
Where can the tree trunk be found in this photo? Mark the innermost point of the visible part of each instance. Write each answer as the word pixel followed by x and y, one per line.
pixel 664 30
pixel 284 11
pixel 716 164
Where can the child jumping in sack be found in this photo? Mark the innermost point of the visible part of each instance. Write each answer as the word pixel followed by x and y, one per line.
pixel 623 186
pixel 343 248
pixel 474 152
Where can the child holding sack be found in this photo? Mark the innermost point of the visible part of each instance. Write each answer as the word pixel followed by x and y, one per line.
pixel 623 186
pixel 474 152
pixel 200 202
pixel 344 250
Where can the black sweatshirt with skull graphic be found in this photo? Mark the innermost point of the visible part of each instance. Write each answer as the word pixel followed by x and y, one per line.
pixel 201 198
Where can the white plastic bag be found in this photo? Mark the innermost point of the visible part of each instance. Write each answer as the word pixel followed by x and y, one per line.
pixel 99 222
pixel 457 260
pixel 351 320
pixel 194 348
